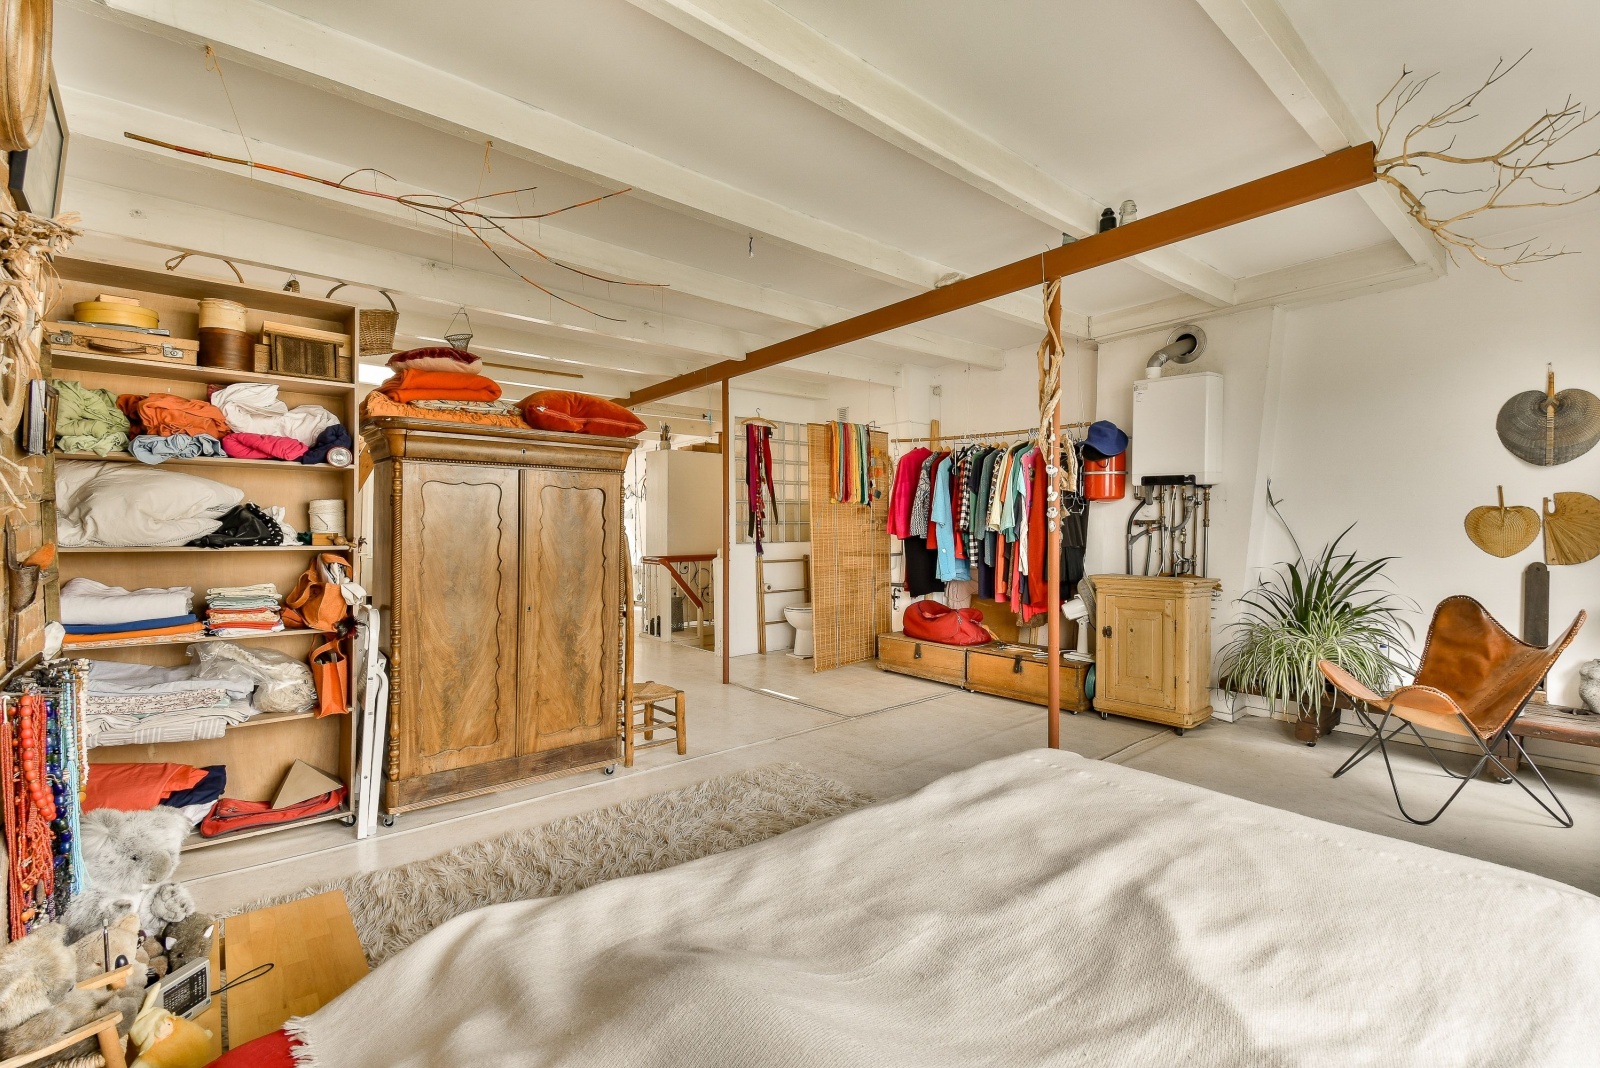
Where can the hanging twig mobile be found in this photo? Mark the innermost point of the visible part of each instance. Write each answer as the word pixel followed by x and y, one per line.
pixel 1527 170
pixel 473 220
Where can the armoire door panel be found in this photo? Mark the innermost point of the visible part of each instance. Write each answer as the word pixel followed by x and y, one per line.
pixel 459 589
pixel 568 685
pixel 1144 650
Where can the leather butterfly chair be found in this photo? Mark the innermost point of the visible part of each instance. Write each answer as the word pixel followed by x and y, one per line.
pixel 1474 680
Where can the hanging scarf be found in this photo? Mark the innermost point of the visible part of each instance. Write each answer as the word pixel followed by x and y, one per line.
pixel 850 448
pixel 758 472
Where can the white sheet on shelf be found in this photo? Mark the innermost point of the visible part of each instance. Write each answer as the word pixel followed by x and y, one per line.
pixel 87 602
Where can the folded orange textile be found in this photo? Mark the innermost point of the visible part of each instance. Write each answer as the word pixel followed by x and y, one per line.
pixel 121 635
pixel 163 414
pixel 377 406
pixel 414 384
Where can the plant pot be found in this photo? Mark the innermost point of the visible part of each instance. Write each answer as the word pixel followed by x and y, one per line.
pixel 1320 723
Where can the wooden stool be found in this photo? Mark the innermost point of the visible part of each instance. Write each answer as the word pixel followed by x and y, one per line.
pixel 644 701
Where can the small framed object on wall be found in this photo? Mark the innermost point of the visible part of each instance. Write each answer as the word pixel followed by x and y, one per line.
pixel 36 175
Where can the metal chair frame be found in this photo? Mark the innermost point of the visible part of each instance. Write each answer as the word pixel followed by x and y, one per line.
pixel 1502 735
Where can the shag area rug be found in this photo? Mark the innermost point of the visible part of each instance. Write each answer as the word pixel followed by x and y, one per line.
pixel 394 907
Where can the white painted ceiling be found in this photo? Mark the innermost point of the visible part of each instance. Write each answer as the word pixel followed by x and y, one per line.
pixel 767 208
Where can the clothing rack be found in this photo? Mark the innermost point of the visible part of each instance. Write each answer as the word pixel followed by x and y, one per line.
pixel 1031 430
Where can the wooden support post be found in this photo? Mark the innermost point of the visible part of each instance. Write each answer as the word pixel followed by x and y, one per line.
pixel 1052 549
pixel 723 612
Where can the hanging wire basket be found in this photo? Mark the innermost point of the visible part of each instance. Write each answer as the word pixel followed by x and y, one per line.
pixel 374 326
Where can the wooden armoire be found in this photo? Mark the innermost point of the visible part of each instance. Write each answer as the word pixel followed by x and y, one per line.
pixel 499 570
pixel 1153 657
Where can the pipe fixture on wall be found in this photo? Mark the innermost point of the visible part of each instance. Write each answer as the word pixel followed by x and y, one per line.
pixel 1184 345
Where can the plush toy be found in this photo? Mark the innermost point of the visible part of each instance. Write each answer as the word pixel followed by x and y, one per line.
pixel 39 1001
pixel 167 1041
pixel 130 858
pixel 187 940
pixel 90 952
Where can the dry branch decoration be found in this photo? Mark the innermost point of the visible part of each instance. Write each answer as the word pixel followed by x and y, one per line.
pixel 1527 169
pixel 27 243
pixel 457 213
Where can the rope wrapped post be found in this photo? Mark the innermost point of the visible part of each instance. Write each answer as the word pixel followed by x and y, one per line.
pixel 1051 358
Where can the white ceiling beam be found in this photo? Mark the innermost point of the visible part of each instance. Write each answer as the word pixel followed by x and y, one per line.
pixel 103 119
pixel 1349 274
pixel 308 52
pixel 168 223
pixel 1262 33
pixel 771 42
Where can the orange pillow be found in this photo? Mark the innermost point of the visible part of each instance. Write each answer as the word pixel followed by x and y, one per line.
pixel 134 787
pixel 413 384
pixel 579 413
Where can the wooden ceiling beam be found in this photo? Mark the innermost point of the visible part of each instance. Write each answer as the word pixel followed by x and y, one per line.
pixel 1347 169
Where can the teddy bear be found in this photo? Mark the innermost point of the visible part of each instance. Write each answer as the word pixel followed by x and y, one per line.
pixel 130 858
pixel 1589 688
pixel 90 953
pixel 39 1001
pixel 187 940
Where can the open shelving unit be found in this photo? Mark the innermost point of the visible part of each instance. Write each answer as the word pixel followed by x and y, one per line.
pixel 259 752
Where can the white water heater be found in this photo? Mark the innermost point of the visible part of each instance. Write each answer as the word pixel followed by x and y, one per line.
pixel 1177 427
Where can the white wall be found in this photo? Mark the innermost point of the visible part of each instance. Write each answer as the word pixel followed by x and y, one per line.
pixel 1387 421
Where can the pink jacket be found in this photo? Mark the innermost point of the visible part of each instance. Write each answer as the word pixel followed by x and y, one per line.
pixel 904 491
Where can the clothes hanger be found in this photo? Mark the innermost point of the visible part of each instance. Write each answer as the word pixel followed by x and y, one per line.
pixel 757 421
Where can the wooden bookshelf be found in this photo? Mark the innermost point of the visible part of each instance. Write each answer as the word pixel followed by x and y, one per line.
pixel 259 752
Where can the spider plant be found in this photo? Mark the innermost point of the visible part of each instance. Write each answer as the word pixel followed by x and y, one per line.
pixel 1323 609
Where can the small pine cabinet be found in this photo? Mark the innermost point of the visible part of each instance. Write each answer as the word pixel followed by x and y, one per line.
pixel 1153 658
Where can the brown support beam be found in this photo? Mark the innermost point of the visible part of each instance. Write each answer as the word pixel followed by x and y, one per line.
pixel 1349 168
pixel 724 612
pixel 1052 548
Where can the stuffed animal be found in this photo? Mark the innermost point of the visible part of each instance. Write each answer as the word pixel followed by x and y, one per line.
pixel 167 1041
pixel 90 952
pixel 188 939
pixel 130 858
pixel 39 1001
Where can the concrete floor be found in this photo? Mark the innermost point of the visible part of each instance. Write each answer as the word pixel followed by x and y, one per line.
pixel 890 734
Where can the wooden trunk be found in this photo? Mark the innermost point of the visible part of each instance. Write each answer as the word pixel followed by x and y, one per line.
pixel 1021 672
pixel 1153 661
pixel 498 569
pixel 925 660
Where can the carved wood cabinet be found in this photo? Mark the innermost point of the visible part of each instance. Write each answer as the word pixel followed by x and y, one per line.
pixel 1153 657
pixel 499 573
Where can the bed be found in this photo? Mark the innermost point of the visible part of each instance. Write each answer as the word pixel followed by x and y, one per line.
pixel 1042 909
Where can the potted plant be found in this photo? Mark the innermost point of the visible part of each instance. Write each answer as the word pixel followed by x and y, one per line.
pixel 1306 611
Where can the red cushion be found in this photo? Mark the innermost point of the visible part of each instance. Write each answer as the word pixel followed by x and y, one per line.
pixel 436 359
pixel 930 621
pixel 275 1049
pixel 578 413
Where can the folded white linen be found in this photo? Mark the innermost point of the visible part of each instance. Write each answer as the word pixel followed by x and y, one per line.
pixel 111 677
pixel 185 726
pixel 254 408
pixel 85 601
pixel 114 504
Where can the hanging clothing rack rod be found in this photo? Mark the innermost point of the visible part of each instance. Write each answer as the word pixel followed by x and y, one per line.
pixel 1031 430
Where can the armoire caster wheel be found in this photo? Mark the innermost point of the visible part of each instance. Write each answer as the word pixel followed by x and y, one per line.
pixel 611 769
pixel 1179 731
pixel 387 819
pixel 1105 715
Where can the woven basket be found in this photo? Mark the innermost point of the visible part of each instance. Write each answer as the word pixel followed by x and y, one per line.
pixel 374 326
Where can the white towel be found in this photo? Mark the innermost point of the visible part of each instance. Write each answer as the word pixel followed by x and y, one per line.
pixel 85 601
pixel 254 408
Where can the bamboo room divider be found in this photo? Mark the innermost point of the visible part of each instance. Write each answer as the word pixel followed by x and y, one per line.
pixel 850 579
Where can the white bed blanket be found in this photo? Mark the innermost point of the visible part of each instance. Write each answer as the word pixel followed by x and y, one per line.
pixel 1037 910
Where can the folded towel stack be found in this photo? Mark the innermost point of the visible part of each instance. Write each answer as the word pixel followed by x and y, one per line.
pixel 94 612
pixel 140 704
pixel 239 611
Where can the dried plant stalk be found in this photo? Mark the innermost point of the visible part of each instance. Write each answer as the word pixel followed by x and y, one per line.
pixel 1526 169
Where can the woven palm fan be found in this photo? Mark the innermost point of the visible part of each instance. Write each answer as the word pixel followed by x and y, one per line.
pixel 1502 531
pixel 1571 529
pixel 1549 428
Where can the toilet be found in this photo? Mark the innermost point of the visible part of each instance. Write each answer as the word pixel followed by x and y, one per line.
pixel 799 618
